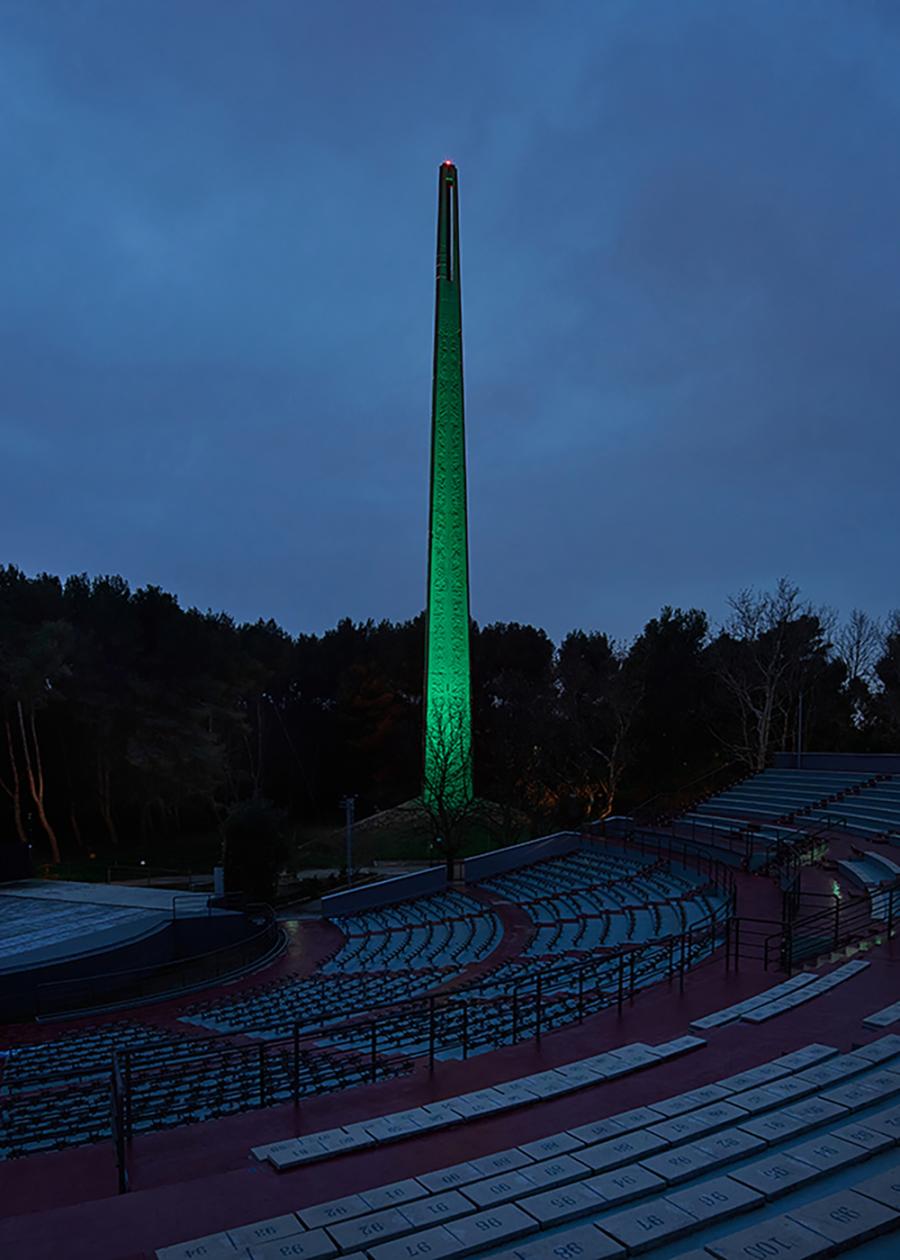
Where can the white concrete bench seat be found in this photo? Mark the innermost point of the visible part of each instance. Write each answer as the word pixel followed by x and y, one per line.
pixel 884 1018
pixel 805 993
pixel 832 1181
pixel 801 988
pixel 537 1087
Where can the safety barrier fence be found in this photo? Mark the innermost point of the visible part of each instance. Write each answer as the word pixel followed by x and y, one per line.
pixel 159 876
pixel 668 847
pixel 150 1088
pixel 841 923
pixel 743 840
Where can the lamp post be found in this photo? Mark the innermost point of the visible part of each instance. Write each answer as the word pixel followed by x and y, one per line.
pixel 349 804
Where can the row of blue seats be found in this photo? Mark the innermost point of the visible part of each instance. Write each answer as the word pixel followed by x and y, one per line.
pixel 636 924
pixel 445 930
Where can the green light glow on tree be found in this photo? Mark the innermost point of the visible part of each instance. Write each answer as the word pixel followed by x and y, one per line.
pixel 448 718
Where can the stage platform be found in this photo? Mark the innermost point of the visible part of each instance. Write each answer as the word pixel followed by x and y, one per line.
pixel 50 921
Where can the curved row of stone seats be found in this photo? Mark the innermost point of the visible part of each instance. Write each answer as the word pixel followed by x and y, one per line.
pixel 751 1145
pixel 444 930
pixel 519 1092
pixel 876 876
pixel 805 993
pixel 885 1017
pixel 875 811
pixel 214 1081
pixel 779 793
pixel 780 997
pixel 734 826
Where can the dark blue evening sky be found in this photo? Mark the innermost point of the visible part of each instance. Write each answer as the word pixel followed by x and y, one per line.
pixel 681 299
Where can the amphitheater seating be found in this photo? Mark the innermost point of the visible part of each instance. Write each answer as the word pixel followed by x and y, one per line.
pixel 723 823
pixel 781 997
pixel 523 995
pixel 885 1017
pixel 78 1054
pixel 588 900
pixel 446 930
pixel 611 1065
pixel 55 1093
pixel 391 954
pixel 878 877
pixel 752 1145
pixel 874 811
pixel 173 1086
pixel 549 890
pixel 272 1010
pixel 777 793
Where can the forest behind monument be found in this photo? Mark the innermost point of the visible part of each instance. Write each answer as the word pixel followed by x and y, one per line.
pixel 129 720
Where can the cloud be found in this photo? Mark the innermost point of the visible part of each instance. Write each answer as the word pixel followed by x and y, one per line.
pixel 679 286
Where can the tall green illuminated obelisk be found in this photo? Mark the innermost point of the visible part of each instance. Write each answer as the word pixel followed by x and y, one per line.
pixel 448 715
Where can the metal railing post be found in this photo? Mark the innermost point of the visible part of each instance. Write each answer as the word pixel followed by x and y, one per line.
pixel 621 981
pixel 681 964
pixel 537 1013
pixel 465 1029
pixel 373 1050
pixel 515 1014
pixel 581 995
pixel 117 1123
pixel 296 1065
pixel 431 1033
pixel 727 945
pixel 129 1128
pixel 631 954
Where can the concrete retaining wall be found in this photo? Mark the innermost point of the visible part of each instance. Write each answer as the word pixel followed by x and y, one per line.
pixel 499 861
pixel 853 763
pixel 386 892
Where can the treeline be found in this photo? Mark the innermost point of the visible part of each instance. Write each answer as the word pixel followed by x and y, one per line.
pixel 127 718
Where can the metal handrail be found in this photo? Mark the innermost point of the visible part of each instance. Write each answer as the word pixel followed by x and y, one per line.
pixel 150 873
pixel 670 847
pixel 708 774
pixel 562 973
pixel 447 1020
pixel 839 925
